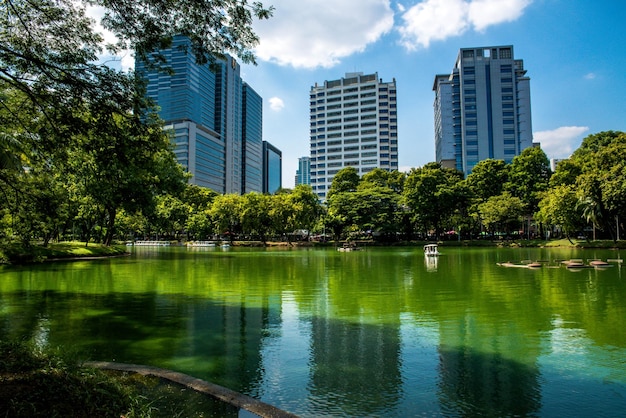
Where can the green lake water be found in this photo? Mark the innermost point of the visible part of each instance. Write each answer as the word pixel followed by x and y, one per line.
pixel 317 332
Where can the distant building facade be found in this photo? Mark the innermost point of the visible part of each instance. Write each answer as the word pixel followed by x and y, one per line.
pixel 252 141
pixel 482 108
pixel 303 174
pixel 272 168
pixel 353 123
pixel 215 117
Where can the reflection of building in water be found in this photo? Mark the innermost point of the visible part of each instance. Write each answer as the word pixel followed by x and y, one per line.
pixel 231 338
pixel 475 381
pixel 358 362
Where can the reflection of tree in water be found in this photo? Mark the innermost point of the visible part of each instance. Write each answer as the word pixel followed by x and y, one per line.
pixel 355 367
pixel 486 384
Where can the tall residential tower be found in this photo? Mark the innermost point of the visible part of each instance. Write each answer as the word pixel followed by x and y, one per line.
pixel 354 123
pixel 482 109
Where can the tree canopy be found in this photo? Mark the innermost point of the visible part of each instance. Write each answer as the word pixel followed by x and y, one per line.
pixel 79 142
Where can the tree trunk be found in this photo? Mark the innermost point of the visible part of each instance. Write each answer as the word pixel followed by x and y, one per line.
pixel 108 238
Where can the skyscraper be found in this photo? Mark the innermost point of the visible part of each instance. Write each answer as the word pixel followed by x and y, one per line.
pixel 354 123
pixel 272 168
pixel 482 108
pixel 204 107
pixel 252 141
pixel 303 174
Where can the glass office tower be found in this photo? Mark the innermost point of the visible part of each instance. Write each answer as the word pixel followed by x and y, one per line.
pixel 303 174
pixel 204 107
pixel 272 168
pixel 482 108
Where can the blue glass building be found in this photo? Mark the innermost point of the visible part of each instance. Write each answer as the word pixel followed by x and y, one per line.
pixel 204 107
pixel 252 140
pixel 272 168
pixel 482 108
pixel 303 174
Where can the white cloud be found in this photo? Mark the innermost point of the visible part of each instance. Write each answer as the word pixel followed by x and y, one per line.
pixel 125 60
pixel 560 142
pixel 316 33
pixel 433 20
pixel 484 13
pixel 436 20
pixel 276 104
pixel 590 76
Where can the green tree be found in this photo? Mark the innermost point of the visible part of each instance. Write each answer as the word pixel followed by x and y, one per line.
pixel 346 180
pixel 63 105
pixel 566 173
pixel 529 175
pixel 502 213
pixel 256 214
pixel 306 207
pixel 226 214
pixel 124 163
pixel 337 216
pixel 487 179
pixel 213 26
pixel 199 201
pixel 282 215
pixel 433 195
pixel 559 207
pixel 170 215
pixel 393 180
pixel 600 184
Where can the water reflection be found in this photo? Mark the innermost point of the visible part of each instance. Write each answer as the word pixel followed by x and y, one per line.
pixel 473 383
pixel 371 333
pixel 355 368
pixel 431 263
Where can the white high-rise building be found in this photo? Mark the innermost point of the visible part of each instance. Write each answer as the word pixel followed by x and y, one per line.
pixel 354 123
pixel 482 108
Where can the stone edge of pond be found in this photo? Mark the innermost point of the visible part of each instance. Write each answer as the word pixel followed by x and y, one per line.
pixel 229 396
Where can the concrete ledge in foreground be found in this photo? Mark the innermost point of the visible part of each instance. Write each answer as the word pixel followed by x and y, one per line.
pixel 224 394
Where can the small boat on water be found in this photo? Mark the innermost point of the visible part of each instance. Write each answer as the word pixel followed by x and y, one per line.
pixel 574 264
pixel 200 244
pixel 151 243
pixel 571 264
pixel 530 265
pixel 599 263
pixel 348 246
pixel 431 250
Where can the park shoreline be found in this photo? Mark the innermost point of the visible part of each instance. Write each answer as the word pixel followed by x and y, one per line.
pixel 14 254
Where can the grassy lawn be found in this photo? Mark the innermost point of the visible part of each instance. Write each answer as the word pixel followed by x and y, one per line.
pixel 53 383
pixel 38 384
pixel 15 253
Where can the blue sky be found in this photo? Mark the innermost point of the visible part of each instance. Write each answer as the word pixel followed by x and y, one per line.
pixel 574 51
